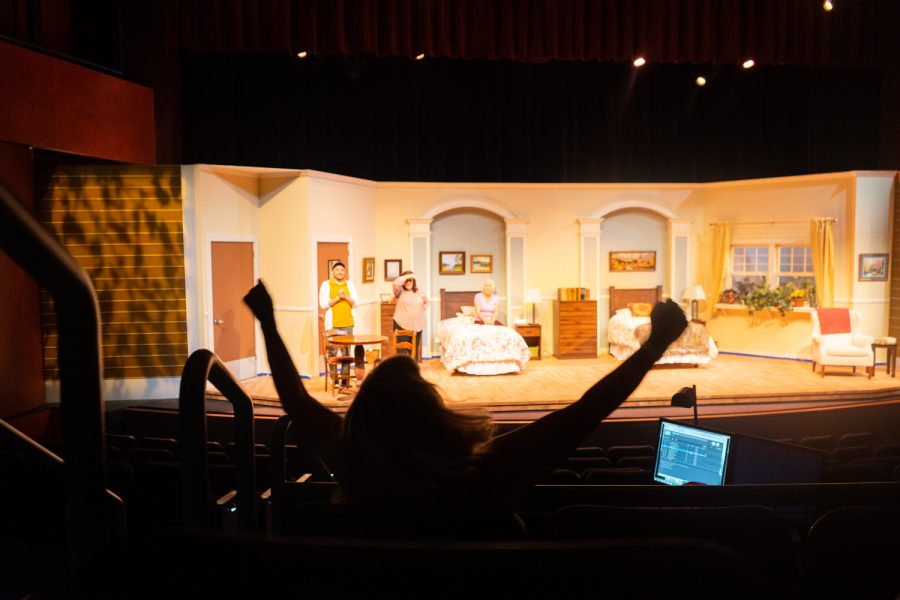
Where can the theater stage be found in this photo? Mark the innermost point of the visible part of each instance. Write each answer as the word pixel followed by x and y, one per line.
pixel 730 383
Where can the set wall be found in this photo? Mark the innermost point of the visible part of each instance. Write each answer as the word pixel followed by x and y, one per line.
pixel 872 235
pixel 475 232
pixel 341 209
pixel 220 205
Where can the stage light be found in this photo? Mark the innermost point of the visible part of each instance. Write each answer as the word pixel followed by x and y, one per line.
pixel 420 56
pixel 701 81
pixel 302 54
pixel 827 5
pixel 748 64
pixel 640 61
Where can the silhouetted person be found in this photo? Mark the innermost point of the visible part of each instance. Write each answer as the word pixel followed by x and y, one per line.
pixel 399 447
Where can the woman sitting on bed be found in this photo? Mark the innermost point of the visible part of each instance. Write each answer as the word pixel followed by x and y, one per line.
pixel 400 448
pixel 487 304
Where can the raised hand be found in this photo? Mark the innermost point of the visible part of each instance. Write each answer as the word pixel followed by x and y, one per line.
pixel 667 321
pixel 259 302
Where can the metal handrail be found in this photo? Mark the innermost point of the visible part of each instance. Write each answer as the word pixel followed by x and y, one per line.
pixel 203 366
pixel 80 375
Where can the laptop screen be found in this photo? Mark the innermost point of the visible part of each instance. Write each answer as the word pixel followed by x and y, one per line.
pixel 689 454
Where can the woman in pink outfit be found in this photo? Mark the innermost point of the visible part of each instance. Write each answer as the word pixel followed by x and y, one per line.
pixel 487 304
pixel 410 310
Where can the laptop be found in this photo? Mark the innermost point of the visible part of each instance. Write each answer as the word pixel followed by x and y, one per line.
pixel 690 454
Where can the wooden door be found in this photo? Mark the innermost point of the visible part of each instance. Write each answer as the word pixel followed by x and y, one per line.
pixel 234 331
pixel 327 253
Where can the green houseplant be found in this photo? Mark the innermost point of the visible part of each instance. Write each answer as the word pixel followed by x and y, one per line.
pixel 762 297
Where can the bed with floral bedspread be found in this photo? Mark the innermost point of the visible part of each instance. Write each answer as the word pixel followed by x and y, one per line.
pixel 481 349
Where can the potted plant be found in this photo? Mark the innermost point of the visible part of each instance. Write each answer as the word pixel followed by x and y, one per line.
pixel 762 297
pixel 798 297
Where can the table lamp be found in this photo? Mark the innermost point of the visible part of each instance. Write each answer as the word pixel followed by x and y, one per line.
pixel 533 296
pixel 695 294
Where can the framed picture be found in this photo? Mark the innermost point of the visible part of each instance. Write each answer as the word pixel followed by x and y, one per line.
pixel 387 298
pixel 392 268
pixel 368 270
pixel 331 263
pixel 873 267
pixel 451 263
pixel 632 261
pixel 481 263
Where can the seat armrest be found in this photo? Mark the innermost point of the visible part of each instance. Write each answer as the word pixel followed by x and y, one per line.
pixel 817 339
pixel 862 340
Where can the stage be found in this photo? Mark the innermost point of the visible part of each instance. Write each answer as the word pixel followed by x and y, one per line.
pixel 728 384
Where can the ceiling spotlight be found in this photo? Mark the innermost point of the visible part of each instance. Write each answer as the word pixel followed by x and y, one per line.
pixel 639 61
pixel 748 64
pixel 420 56
pixel 701 81
pixel 302 54
pixel 827 5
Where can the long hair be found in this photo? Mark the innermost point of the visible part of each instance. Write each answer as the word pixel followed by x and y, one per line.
pixel 402 447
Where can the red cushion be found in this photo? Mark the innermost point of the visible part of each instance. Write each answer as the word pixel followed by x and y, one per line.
pixel 834 320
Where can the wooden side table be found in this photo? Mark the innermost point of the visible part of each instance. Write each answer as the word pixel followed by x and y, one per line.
pixel 531 333
pixel 890 344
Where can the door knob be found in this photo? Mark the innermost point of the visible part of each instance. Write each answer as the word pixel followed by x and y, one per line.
pixel 218 322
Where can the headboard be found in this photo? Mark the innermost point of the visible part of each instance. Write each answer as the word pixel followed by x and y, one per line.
pixel 451 301
pixel 621 298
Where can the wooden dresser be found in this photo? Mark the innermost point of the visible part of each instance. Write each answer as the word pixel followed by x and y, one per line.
pixel 576 328
pixel 387 326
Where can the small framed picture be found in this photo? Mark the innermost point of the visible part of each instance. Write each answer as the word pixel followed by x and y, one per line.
pixel 873 267
pixel 452 263
pixel 481 263
pixel 387 298
pixel 368 270
pixel 392 268
pixel 632 261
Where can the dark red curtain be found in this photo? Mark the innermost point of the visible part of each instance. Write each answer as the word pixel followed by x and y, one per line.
pixel 791 32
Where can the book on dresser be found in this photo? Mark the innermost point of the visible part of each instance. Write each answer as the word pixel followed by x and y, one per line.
pixel 576 329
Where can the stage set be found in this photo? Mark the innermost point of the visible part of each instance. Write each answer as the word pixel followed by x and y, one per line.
pixel 730 384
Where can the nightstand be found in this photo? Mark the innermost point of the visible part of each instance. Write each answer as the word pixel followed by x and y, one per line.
pixel 531 333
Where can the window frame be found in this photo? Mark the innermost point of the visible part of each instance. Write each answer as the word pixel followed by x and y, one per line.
pixel 773 274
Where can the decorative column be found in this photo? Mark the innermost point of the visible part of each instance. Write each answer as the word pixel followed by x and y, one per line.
pixel 516 234
pixel 419 230
pixel 682 270
pixel 589 265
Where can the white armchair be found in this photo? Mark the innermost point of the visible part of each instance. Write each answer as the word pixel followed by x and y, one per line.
pixel 837 341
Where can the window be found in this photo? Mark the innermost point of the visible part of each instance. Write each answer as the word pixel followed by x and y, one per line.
pixel 751 266
pixel 795 266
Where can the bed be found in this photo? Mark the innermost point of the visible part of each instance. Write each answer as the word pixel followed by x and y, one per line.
pixel 626 332
pixel 477 349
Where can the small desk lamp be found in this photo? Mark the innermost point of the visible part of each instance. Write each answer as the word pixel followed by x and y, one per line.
pixel 533 296
pixel 695 294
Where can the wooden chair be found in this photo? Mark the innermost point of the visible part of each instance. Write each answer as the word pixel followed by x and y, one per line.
pixel 409 345
pixel 333 360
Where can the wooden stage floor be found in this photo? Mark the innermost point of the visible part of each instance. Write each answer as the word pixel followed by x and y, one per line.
pixel 728 381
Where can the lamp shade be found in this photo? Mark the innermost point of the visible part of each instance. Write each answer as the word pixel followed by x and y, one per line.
pixel 533 296
pixel 695 293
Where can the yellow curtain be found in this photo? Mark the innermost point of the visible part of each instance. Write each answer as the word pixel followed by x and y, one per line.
pixel 821 237
pixel 720 251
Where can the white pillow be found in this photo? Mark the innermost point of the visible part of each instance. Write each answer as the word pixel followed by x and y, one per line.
pixel 468 311
pixel 624 312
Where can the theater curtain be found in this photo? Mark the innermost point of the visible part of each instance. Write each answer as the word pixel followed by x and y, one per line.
pixel 780 32
pixel 720 251
pixel 821 236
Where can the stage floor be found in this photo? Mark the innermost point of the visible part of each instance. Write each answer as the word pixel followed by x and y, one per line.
pixel 728 381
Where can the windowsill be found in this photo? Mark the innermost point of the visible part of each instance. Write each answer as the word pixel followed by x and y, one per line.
pixel 745 308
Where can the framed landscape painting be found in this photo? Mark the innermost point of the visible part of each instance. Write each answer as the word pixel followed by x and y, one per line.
pixel 481 263
pixel 632 261
pixel 873 267
pixel 451 263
